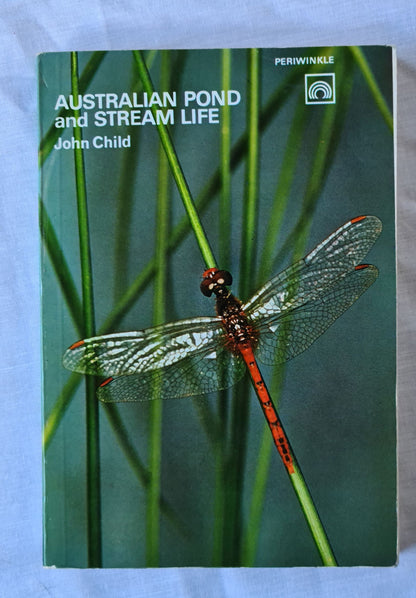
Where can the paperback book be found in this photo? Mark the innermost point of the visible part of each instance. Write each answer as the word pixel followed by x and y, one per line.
pixel 218 307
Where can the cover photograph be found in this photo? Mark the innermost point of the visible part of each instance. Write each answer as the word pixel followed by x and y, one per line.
pixel 218 307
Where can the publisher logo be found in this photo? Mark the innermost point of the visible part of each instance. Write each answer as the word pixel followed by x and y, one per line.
pixel 320 88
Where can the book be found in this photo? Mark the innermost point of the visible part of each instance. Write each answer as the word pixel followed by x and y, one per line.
pixel 265 179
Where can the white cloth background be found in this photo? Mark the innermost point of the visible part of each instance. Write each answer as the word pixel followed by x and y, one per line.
pixel 27 28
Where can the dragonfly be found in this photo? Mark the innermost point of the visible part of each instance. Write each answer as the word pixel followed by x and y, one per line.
pixel 205 354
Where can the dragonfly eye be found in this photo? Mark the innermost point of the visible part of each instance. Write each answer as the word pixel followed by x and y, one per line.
pixel 207 286
pixel 224 277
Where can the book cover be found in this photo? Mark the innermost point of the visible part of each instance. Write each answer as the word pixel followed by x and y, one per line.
pixel 265 179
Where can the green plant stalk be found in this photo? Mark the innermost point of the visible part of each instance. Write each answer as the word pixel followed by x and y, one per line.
pixel 129 172
pixel 59 264
pixel 372 85
pixel 250 210
pixel 320 167
pixel 312 518
pixel 176 170
pixel 51 136
pixel 92 415
pixel 159 316
pixel 314 185
pixel 72 299
pixel 281 198
pixel 240 402
pixel 59 408
pixel 299 486
pixel 125 197
pixel 224 225
pixel 225 167
pixel 153 494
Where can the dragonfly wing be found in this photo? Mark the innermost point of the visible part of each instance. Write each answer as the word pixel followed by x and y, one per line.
pixel 144 350
pixel 285 336
pixel 308 278
pixel 198 373
pixel 180 359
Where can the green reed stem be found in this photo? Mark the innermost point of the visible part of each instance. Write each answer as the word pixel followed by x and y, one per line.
pixel 372 85
pixel 51 136
pixel 250 209
pixel 240 403
pixel 224 226
pixel 312 518
pixel 281 198
pixel 59 408
pixel 92 415
pixel 159 316
pixel 176 169
pixel 125 196
pixel 59 263
pixel 225 167
pixel 125 199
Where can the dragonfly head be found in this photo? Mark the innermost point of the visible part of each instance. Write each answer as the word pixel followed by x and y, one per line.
pixel 215 281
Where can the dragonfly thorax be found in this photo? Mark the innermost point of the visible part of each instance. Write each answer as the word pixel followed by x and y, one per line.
pixel 240 332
